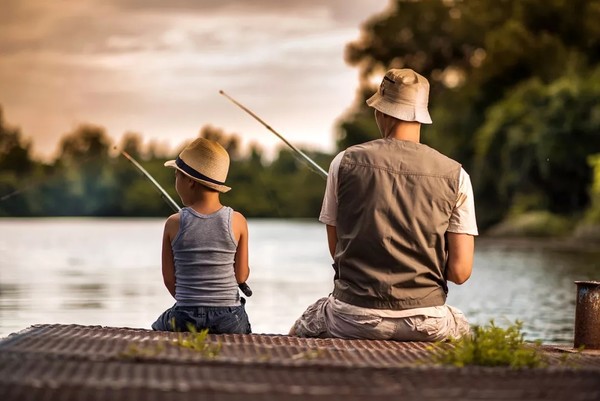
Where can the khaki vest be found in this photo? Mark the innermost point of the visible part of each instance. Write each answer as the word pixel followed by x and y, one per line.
pixel 395 199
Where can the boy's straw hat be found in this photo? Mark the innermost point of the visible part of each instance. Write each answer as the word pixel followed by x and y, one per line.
pixel 403 94
pixel 204 161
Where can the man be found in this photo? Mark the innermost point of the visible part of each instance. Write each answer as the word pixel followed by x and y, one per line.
pixel 400 222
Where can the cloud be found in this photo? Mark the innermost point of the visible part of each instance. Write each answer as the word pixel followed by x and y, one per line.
pixel 155 66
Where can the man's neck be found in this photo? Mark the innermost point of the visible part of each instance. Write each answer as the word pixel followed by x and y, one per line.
pixel 406 131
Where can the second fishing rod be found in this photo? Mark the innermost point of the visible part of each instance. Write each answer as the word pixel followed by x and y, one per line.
pixel 312 164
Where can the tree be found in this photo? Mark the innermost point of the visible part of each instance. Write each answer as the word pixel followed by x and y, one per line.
pixel 543 135
pixel 14 149
pixel 481 57
pixel 231 142
pixel 15 166
pixel 87 187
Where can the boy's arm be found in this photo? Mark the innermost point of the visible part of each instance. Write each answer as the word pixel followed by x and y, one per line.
pixel 240 230
pixel 461 248
pixel 168 266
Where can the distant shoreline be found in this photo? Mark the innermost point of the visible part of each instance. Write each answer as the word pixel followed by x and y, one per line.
pixel 559 244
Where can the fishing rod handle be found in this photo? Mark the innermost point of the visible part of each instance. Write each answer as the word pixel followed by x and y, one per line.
pixel 245 289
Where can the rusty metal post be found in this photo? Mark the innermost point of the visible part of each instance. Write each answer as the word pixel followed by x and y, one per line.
pixel 587 315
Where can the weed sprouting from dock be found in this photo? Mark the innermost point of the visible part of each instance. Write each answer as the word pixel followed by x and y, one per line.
pixel 134 351
pixel 308 355
pixel 491 345
pixel 195 340
pixel 198 341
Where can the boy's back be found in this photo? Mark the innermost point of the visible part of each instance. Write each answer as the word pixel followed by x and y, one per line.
pixel 204 254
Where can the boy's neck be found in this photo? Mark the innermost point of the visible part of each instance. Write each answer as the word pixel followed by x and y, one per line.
pixel 205 202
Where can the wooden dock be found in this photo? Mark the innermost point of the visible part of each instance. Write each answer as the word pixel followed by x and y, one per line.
pixel 69 362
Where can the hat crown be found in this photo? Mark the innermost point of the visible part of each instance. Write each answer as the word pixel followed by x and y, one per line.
pixel 208 158
pixel 403 94
pixel 405 86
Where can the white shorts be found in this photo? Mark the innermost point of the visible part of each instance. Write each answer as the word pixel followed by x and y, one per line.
pixel 323 320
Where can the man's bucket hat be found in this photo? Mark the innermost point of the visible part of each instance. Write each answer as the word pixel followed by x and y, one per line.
pixel 204 161
pixel 403 94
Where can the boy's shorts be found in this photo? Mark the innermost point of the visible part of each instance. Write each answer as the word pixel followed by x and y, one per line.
pixel 322 320
pixel 217 319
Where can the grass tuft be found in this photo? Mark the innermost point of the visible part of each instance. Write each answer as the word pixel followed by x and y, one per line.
pixel 198 341
pixel 491 345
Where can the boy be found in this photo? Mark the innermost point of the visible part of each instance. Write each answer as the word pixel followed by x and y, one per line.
pixel 205 247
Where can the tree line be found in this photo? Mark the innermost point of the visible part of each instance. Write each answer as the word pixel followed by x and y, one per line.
pixel 89 177
pixel 515 98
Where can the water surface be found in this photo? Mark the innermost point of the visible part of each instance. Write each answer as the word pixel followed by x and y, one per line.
pixel 107 272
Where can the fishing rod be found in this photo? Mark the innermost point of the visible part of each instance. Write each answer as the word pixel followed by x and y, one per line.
pixel 318 168
pixel 243 286
pixel 167 198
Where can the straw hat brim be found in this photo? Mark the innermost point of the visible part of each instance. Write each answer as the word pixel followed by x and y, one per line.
pixel 212 185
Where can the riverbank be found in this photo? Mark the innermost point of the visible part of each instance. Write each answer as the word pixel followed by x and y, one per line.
pixel 543 230
pixel 69 362
pixel 557 244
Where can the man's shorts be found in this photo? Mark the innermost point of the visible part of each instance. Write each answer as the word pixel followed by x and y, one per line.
pixel 322 320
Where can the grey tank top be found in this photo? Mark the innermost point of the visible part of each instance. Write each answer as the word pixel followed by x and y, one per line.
pixel 204 253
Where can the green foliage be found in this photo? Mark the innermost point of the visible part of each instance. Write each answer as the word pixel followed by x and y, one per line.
pixel 492 346
pixel 198 341
pixel 135 351
pixel 593 214
pixel 89 179
pixel 533 224
pixel 194 340
pixel 309 355
pixel 514 92
pixel 541 136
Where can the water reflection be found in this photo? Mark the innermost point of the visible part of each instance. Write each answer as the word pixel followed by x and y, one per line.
pixel 9 297
pixel 107 272
pixel 531 285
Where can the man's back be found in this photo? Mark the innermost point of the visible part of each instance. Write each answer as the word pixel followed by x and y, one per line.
pixel 395 199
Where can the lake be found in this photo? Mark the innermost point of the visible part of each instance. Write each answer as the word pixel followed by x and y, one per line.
pixel 107 272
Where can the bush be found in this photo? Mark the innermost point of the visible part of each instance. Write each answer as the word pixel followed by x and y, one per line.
pixel 492 346
pixel 533 224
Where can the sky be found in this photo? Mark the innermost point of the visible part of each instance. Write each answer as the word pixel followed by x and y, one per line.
pixel 155 67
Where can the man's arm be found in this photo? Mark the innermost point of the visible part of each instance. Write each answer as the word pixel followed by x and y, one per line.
pixel 461 248
pixel 331 239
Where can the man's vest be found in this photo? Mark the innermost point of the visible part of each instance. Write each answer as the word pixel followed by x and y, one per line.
pixel 395 199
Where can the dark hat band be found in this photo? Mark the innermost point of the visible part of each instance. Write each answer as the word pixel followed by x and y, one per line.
pixel 190 171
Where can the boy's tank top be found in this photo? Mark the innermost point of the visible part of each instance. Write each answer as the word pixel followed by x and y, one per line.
pixel 204 252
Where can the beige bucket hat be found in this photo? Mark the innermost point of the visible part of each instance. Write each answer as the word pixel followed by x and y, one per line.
pixel 403 94
pixel 204 161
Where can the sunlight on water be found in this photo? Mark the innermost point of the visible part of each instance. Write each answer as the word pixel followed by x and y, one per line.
pixel 107 272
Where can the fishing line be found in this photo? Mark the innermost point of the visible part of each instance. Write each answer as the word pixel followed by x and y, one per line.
pixel 315 167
